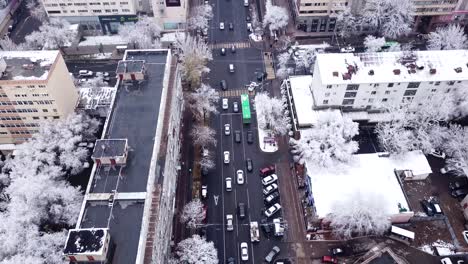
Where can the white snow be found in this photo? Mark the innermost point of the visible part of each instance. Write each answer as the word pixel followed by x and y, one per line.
pixel 301 88
pixel 45 57
pixel 383 64
pixel 266 147
pixel 255 37
pixel 42 77
pixel 104 40
pixel 368 173
pixel 172 37
pixel 443 248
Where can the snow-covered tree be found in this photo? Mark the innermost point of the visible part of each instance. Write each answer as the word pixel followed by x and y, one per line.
pixel 347 23
pixel 275 17
pixel 196 250
pixel 305 58
pixel 391 18
pixel 8 45
pixel 193 214
pixel 203 101
pixel 200 18
pixel 206 162
pixel 144 34
pixel 270 114
pixel 283 68
pixel 203 135
pixel 359 215
pixel 194 55
pixel 36 10
pixel 55 34
pixel 328 143
pixel 374 44
pixel 451 37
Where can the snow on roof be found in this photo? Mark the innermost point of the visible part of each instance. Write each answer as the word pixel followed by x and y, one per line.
pixel 172 36
pixel 28 65
pixel 109 148
pixel 92 98
pixel 303 100
pixel 85 241
pixel 440 65
pixel 104 40
pixel 367 173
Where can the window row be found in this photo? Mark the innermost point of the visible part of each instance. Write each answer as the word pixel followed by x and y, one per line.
pixel 20 125
pixel 40 102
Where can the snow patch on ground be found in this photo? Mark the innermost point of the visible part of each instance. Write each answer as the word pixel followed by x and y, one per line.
pixel 104 40
pixel 266 147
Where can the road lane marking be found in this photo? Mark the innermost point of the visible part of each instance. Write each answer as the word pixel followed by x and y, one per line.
pixel 216 199
pixel 222 186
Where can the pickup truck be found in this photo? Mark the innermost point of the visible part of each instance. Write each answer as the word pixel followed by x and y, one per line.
pixel 254 232
pixel 278 226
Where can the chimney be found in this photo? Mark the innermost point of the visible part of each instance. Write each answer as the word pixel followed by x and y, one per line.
pixel 335 74
pixel 347 76
pixel 458 70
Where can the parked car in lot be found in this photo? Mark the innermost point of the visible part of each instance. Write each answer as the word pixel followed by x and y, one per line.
pixel 329 259
pixel 249 137
pixel 231 26
pixel 272 254
pixel 240 177
pixel 268 170
pixel 272 210
pixel 226 157
pixel 270 188
pixel 438 153
pixel 273 197
pixel 265 225
pixel 458 185
pixel 460 193
pixel 237 136
pixel 427 207
pixel 244 251
pixel 223 51
pixel 229 222
pixel 249 165
pixel 225 103
pixel 347 49
pixel 227 129
pixel 235 107
pixel 269 179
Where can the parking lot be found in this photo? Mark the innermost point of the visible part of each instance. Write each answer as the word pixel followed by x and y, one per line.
pixel 94 66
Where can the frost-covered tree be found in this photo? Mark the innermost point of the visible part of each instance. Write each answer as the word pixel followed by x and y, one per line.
pixel 347 23
pixel 373 44
pixel 36 10
pixel 275 17
pixel 270 114
pixel 200 18
pixel 203 101
pixel 283 68
pixel 55 34
pixel 391 18
pixel 144 34
pixel 206 162
pixel 328 143
pixel 193 214
pixel 194 55
pixel 196 250
pixel 359 215
pixel 305 58
pixel 203 135
pixel 8 45
pixel 455 145
pixel 451 37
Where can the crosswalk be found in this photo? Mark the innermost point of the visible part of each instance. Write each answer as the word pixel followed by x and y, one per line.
pixel 238 45
pixel 236 93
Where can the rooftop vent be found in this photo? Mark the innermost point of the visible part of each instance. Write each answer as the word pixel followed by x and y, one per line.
pixel 411 71
pixel 371 72
pixel 458 70
pixel 396 71
pixel 432 71
pixel 335 74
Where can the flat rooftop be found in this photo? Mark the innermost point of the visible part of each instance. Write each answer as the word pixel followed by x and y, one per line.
pixel 383 64
pixel 134 117
pixel 367 173
pixel 85 241
pixel 303 101
pixel 28 65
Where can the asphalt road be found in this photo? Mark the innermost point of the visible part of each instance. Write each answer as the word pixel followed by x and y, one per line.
pixel 25 24
pixel 74 66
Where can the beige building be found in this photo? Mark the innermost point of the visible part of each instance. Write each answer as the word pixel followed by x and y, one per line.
pixel 171 14
pixel 34 86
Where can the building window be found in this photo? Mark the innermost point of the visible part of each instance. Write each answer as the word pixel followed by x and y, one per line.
pixel 56 117
pixel 352 87
pixel 35 117
pixel 325 102
pixel 410 93
pixel 45 110
pixel 350 94
pixel 387 92
pixel 390 85
pixel 373 93
pixel 413 84
pixel 125 10
pixel 329 86
pixel 348 101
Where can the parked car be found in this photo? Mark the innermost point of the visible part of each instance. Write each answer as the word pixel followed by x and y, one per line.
pixel 204 191
pixel 244 251
pixel 427 207
pixel 249 136
pixel 225 103
pixel 272 210
pixel 270 188
pixel 347 49
pixel 438 153
pixel 85 73
pixel 223 85
pixel 458 185
pixel 249 165
pixel 233 49
pixel 329 259
pixel 465 235
pixel 241 208
pixel 247 18
pixel 227 129
pixel 272 254
pixel 229 222
pixel 237 136
pixel 273 197
pixel 226 157
pixel 221 25
pixel 268 170
pixel 240 177
pixel 265 226
pixel 235 107
pixel 231 26
pixel 269 179
pixel 337 251
pixel 460 193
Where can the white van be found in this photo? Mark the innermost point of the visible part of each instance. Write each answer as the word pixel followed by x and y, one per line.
pixel 228 184
pixel 246 2
pixel 231 67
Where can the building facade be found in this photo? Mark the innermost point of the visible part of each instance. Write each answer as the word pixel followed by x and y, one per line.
pixel 170 14
pixel 35 86
pixel 319 16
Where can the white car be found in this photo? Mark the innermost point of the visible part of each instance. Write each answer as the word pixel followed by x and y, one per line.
pixel 438 154
pixel 347 49
pixel 244 251
pixel 270 188
pixel 240 177
pixel 225 103
pixel 204 191
pixel 226 157
pixel 249 27
pixel 221 25
pixel 228 184
pixel 272 210
pixel 229 224
pixel 269 179
pixel 235 107
pixel 227 129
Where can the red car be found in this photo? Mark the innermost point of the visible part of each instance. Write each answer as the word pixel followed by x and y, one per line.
pixel 267 171
pixel 329 259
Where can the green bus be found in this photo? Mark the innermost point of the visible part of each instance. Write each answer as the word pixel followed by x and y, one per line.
pixel 245 108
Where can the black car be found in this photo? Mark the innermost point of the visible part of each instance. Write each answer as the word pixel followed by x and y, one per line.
pixel 460 193
pixel 272 198
pixel 427 207
pixel 457 185
pixel 237 136
pixel 231 26
pixel 265 226
pixel 249 164
pixel 249 137
pixel 231 260
pixel 223 85
pixel 242 209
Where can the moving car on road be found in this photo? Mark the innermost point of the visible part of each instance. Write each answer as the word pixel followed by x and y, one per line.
pixel 221 25
pixel 231 26
pixel 254 232
pixel 244 251
pixel 235 107
pixel 228 184
pixel 223 85
pixel 249 165
pixel 272 210
pixel 226 157
pixel 460 193
pixel 265 226
pixel 223 51
pixel 249 137
pixel 272 255
pixel 237 136
pixel 204 191
pixel 240 177
pixel 242 209
pixel 227 129
pixel 231 68
pixel 229 222
pixel 269 179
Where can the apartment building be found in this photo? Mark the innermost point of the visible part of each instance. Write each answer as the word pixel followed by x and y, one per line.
pixel 319 16
pixel 34 86
pixel 434 13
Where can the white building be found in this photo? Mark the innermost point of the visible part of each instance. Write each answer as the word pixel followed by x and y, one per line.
pixel 363 81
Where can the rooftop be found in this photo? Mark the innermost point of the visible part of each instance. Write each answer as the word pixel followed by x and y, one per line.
pixel 388 67
pixel 109 148
pixel 130 66
pixel 28 65
pixel 91 98
pixel 87 240
pixel 367 173
pixel 303 99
